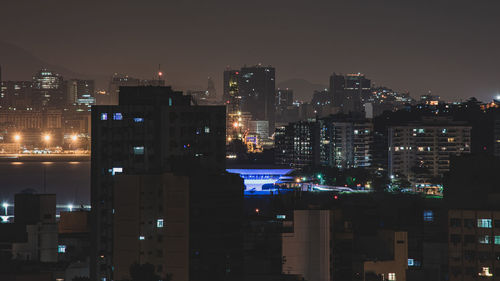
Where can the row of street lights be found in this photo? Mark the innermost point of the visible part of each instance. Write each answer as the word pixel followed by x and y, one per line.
pixel 45 137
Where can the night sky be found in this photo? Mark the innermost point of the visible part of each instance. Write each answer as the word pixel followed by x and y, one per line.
pixel 450 47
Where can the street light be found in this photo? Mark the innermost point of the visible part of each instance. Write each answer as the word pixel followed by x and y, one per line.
pixel 17 137
pixel 70 207
pixel 46 139
pixel 74 137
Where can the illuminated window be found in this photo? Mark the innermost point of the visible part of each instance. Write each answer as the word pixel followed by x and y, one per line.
pixel 485 271
pixel 117 116
pixel 159 223
pixel 139 150
pixel 61 249
pixel 169 101
pixel 484 239
pixel 207 129
pixel 116 170
pixel 391 276
pixel 497 240
pixel 142 238
pixel 411 262
pixel 484 223
pixel 104 116
pixel 138 120
pixel 281 217
pixel 451 139
pixel 428 215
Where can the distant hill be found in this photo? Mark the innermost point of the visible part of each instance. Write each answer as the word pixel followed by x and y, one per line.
pixel 19 64
pixel 302 89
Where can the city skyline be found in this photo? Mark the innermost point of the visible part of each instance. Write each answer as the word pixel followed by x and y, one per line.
pixel 195 40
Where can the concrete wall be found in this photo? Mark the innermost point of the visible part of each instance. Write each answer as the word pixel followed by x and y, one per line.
pixel 306 251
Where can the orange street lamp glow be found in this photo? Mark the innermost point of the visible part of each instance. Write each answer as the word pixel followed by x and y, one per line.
pixel 46 138
pixel 74 137
pixel 17 137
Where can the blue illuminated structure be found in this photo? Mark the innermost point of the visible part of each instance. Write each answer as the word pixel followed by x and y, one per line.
pixel 254 179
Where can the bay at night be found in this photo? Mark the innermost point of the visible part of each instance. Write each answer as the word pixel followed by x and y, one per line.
pixel 70 181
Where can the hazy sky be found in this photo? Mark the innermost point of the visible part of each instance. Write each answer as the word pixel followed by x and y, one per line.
pixel 449 47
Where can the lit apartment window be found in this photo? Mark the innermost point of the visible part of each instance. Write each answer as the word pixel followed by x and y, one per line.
pixel 142 238
pixel 61 249
pixel 484 223
pixel 138 150
pixel 497 240
pixel 207 129
pixel 138 120
pixel 428 216
pixel 117 116
pixel 391 276
pixel 159 223
pixel 116 170
pixel 104 116
pixel 485 271
pixel 484 239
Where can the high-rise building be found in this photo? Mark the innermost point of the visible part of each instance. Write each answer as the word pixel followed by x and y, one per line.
pixel 420 151
pixel 232 100
pixel 345 144
pixel 156 131
pixel 284 98
pixel 80 92
pixel 48 89
pixel 331 142
pixel 211 92
pixel 16 94
pixel 286 110
pixel 349 92
pixel 336 90
pixel 257 92
pixel 496 139
pixel 473 242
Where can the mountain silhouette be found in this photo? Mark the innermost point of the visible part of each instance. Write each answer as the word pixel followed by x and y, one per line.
pixel 19 64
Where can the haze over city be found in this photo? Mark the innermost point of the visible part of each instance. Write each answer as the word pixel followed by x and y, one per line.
pixel 256 140
pixel 447 47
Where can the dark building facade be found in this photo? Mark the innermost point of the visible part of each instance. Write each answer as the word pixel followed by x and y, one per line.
pixel 16 94
pixel 349 92
pixel 152 131
pixel 257 91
